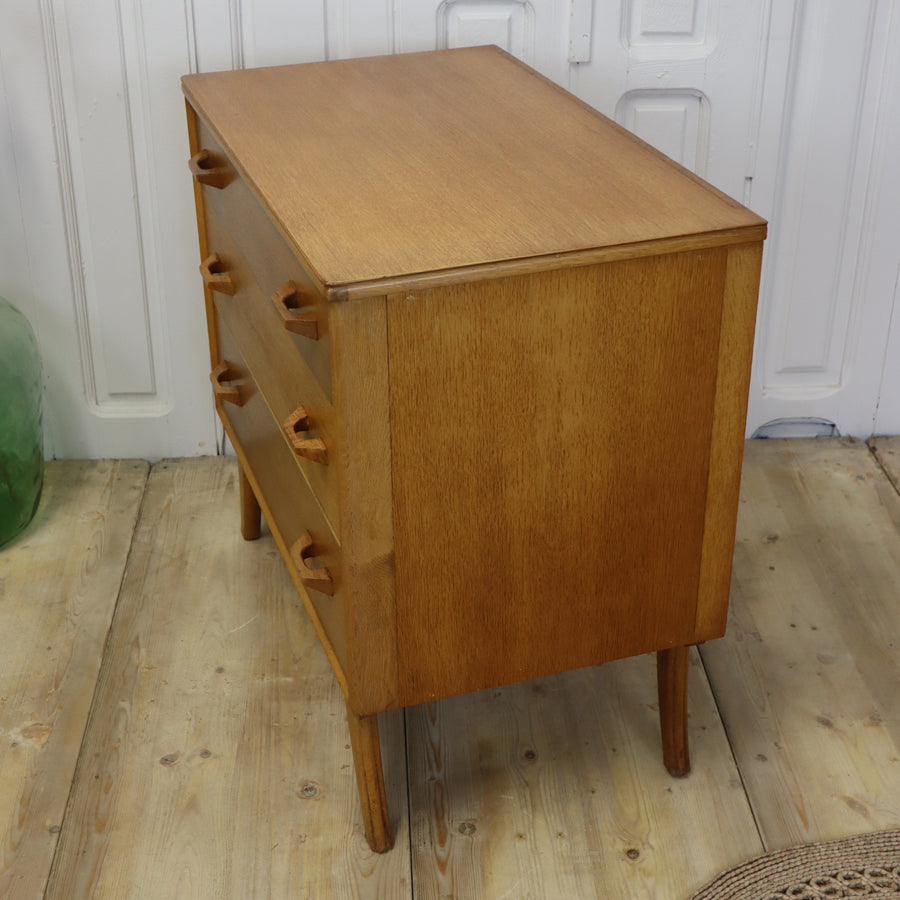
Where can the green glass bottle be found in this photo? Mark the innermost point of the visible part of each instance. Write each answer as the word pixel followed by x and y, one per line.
pixel 21 437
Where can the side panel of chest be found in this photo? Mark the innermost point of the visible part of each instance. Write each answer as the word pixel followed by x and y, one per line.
pixel 551 448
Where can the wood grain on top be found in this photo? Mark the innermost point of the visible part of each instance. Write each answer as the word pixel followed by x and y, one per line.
pixel 386 167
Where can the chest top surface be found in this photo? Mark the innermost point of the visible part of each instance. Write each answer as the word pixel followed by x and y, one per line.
pixel 391 167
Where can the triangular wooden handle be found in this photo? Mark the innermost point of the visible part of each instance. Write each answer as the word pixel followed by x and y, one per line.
pixel 315 579
pixel 216 281
pixel 205 172
pixel 295 426
pixel 296 319
pixel 227 393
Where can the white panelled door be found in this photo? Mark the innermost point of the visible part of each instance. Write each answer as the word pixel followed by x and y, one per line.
pixel 780 103
pixel 828 179
pixel 536 31
pixel 684 76
pixel 107 268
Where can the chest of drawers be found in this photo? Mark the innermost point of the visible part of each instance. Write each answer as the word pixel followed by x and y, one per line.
pixel 484 359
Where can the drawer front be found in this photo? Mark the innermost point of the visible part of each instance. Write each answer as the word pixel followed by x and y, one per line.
pixel 289 505
pixel 270 259
pixel 288 385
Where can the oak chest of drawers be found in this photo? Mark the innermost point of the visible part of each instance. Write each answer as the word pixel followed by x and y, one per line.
pixel 484 359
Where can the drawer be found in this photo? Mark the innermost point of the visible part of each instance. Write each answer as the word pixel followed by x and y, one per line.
pixel 288 385
pixel 270 259
pixel 288 503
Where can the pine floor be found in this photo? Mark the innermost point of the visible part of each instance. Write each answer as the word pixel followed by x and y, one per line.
pixel 169 727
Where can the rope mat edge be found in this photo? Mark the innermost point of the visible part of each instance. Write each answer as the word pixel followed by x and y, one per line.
pixel 865 865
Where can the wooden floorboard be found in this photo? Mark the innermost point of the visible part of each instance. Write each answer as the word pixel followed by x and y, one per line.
pixel 58 586
pixel 808 675
pixel 556 789
pixel 887 452
pixel 215 760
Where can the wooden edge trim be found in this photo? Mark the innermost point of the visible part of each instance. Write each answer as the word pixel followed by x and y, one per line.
pixel 363 464
pixel 574 259
pixel 194 146
pixel 286 555
pixel 727 450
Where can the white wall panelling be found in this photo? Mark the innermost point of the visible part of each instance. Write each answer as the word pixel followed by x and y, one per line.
pixel 507 23
pixel 667 28
pixel 826 310
pixel 33 270
pixel 213 31
pixel 691 65
pixel 581 24
pixel 814 270
pixel 676 122
pixel 359 29
pixel 879 266
pixel 14 274
pixel 791 105
pixel 94 121
pixel 277 33
pixel 101 127
pixel 537 31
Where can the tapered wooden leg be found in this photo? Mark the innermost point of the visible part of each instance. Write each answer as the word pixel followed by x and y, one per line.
pixel 250 512
pixel 370 780
pixel 671 676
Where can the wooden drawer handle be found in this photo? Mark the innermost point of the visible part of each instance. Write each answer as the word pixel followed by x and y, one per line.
pixel 295 426
pixel 296 319
pixel 216 281
pixel 204 173
pixel 227 393
pixel 316 579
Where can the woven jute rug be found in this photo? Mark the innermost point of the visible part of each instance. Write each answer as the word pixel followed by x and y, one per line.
pixel 868 865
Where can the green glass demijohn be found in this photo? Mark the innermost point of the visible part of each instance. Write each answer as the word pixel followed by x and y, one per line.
pixel 21 438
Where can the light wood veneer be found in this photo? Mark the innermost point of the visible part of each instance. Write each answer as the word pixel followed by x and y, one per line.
pixel 440 290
